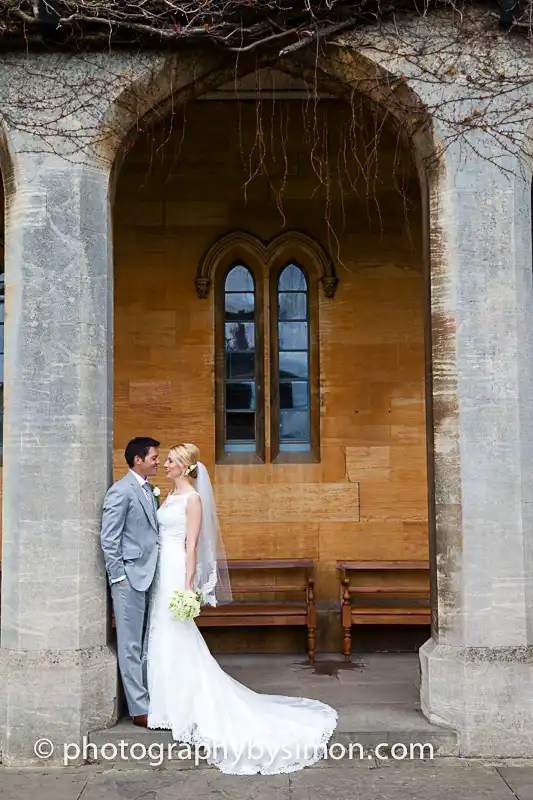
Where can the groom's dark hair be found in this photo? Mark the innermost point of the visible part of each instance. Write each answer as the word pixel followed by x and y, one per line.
pixel 140 446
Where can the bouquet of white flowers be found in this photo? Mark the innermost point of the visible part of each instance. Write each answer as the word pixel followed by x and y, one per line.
pixel 185 605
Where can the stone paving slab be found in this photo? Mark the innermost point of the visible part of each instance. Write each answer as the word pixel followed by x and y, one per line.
pixel 405 781
pixel 335 693
pixel 368 667
pixel 390 718
pixel 441 779
pixel 520 781
pixel 189 785
pixel 35 785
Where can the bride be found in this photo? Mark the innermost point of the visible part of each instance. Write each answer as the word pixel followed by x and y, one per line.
pixel 243 732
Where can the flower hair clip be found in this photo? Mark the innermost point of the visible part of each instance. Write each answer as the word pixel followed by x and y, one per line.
pixel 190 469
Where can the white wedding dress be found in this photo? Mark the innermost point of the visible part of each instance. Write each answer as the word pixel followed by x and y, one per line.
pixel 244 732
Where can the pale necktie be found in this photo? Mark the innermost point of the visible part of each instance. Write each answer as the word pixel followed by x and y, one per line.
pixel 148 489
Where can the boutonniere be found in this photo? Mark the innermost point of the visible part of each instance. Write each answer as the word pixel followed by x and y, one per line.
pixel 156 491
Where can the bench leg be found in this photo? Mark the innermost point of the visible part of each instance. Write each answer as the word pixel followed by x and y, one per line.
pixel 347 644
pixel 346 616
pixel 311 643
pixel 311 620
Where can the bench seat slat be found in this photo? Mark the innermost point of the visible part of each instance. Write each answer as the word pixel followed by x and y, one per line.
pixel 273 563
pixel 362 611
pixel 256 609
pixel 253 588
pixel 386 618
pixel 382 566
pixel 389 590
pixel 259 620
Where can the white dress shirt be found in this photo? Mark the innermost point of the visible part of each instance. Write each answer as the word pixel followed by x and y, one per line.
pixel 142 481
pixel 140 478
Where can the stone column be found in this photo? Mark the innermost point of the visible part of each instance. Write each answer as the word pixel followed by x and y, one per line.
pixel 477 670
pixel 58 677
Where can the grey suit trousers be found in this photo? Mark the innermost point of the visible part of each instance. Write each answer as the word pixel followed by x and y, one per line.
pixel 129 539
pixel 131 608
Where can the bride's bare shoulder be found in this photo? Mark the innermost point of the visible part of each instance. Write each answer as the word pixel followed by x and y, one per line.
pixel 194 503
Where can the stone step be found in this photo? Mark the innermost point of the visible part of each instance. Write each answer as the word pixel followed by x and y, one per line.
pixel 126 744
pixel 376 696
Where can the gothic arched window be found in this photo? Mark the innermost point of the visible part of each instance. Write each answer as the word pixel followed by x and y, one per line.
pixel 239 378
pixel 266 319
pixel 293 361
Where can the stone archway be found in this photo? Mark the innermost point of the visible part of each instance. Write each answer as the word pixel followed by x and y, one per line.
pixel 190 202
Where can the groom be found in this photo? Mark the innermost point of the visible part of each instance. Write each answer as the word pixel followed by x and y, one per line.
pixel 130 542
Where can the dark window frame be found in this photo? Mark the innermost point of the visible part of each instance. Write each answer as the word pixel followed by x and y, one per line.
pixel 222 454
pixel 278 455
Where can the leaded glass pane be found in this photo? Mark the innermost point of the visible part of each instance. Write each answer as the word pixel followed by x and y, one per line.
pixel 239 279
pixel 293 336
pixel 240 426
pixel 292 305
pixel 239 336
pixel 240 366
pixel 293 365
pixel 294 426
pixel 293 394
pixel 240 396
pixel 240 305
pixel 292 279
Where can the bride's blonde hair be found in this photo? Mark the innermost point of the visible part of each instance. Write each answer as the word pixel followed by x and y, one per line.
pixel 188 456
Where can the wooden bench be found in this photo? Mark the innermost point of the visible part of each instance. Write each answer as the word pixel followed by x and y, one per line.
pixel 386 602
pixel 244 612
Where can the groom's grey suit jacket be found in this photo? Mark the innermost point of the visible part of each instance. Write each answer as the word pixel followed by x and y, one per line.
pixel 129 533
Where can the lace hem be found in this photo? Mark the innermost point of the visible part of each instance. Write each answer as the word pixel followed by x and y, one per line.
pixel 191 736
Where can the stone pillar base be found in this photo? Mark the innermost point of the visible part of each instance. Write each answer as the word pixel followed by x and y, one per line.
pixel 59 696
pixel 485 694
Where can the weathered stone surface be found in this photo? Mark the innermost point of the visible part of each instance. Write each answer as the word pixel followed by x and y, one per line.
pixel 399 781
pixel 364 781
pixel 58 675
pixel 478 671
pixel 56 698
pixel 51 786
pixel 483 693
pixel 519 779
pixel 199 784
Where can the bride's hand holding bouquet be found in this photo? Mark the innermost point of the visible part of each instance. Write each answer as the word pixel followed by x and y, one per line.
pixel 185 604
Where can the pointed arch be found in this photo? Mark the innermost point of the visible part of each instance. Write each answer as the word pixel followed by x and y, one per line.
pixel 270 254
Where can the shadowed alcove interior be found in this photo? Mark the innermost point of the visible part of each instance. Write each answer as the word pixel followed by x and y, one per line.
pixel 265 166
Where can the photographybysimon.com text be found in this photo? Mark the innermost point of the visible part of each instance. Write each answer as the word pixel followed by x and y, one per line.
pixel 156 753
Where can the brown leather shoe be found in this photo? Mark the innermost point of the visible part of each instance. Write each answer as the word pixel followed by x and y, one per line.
pixel 141 721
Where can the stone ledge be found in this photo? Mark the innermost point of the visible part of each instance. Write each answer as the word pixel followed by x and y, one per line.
pixel 488 655
pixel 40 659
pixel 59 695
pixel 485 694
